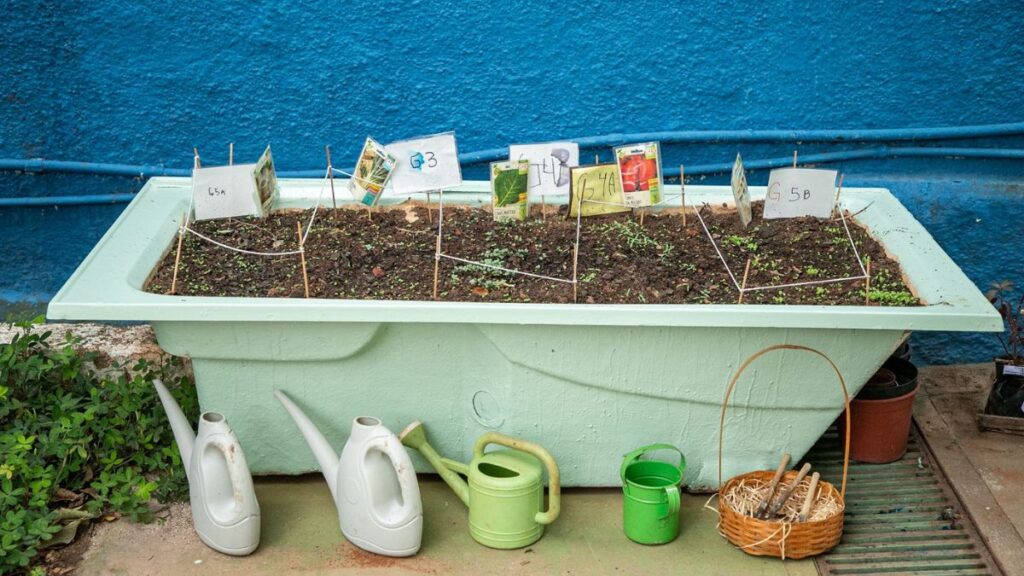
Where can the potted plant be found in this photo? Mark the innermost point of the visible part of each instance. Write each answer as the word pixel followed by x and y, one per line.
pixel 1006 397
pixel 586 380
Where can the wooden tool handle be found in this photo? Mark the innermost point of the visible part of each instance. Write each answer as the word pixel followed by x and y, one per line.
pixel 805 510
pixel 789 489
pixel 762 508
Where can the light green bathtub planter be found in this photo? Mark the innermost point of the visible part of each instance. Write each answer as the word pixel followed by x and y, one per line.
pixel 589 382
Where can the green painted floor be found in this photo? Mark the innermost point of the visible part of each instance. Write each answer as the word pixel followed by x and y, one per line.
pixel 301 535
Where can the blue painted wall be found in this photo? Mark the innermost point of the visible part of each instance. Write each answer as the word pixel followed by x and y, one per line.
pixel 111 81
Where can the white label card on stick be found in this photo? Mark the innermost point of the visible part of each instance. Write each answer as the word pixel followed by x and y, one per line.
pixel 424 164
pixel 550 164
pixel 795 192
pixel 225 192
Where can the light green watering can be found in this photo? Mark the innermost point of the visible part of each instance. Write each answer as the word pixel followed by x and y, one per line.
pixel 505 492
pixel 650 489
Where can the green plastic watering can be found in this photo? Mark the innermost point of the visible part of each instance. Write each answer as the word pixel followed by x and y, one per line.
pixel 650 489
pixel 505 488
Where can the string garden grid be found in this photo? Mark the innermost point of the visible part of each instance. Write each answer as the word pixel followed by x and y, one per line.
pixel 439 255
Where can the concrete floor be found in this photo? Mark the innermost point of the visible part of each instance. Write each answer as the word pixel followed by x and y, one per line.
pixel 301 535
pixel 985 469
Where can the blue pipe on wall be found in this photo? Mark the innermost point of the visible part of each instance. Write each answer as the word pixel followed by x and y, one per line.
pixel 729 136
pixel 697 170
pixel 667 137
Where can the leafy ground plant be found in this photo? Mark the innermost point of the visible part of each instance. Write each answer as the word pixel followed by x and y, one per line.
pixel 78 442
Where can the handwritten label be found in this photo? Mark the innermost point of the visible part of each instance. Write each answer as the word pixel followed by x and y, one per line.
pixel 508 190
pixel 640 173
pixel 795 192
pixel 740 191
pixel 426 163
pixel 596 191
pixel 225 192
pixel 550 164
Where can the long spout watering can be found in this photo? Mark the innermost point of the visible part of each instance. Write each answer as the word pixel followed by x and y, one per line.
pixel 505 488
pixel 225 512
pixel 373 484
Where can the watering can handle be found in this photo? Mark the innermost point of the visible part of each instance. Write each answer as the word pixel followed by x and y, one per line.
pixel 399 458
pixel 554 482
pixel 238 475
pixel 636 454
pixel 673 500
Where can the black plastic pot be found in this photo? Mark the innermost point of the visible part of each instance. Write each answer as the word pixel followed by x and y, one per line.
pixel 903 352
pixel 896 378
pixel 1007 395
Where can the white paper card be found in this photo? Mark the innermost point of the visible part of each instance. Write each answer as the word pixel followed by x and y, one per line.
pixel 225 192
pixel 794 192
pixel 549 165
pixel 427 163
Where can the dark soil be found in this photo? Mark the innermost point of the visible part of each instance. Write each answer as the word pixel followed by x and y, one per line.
pixel 391 257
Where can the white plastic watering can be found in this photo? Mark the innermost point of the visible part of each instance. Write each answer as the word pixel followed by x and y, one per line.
pixel 225 512
pixel 373 484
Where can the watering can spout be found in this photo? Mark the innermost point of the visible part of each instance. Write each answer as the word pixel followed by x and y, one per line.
pixel 415 436
pixel 182 430
pixel 325 455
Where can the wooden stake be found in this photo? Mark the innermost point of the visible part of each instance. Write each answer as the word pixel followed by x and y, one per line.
pixel 437 261
pixel 195 158
pixel 302 255
pixel 231 153
pixel 177 256
pixel 794 158
pixel 430 213
pixel 835 204
pixel 743 286
pixel 597 158
pixel 330 175
pixel 642 212
pixel 867 284
pixel 575 262
pixel 543 216
pixel 682 190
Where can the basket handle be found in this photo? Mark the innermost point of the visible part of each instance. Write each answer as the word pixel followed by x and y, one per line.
pixel 743 367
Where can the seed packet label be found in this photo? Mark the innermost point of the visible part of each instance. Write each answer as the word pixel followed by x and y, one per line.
pixel 427 163
pixel 639 168
pixel 740 191
pixel 596 191
pixel 225 192
pixel 1011 370
pixel 550 166
pixel 373 170
pixel 795 192
pixel 508 189
pixel 265 175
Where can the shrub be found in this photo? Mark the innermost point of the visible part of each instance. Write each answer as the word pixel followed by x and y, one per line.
pixel 77 441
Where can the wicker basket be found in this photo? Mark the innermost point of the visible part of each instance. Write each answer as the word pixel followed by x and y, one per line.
pixel 775 537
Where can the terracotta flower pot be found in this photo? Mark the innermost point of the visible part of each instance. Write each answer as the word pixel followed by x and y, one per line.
pixel 880 428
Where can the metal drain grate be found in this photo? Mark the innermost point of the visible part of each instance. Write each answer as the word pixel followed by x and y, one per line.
pixel 902 518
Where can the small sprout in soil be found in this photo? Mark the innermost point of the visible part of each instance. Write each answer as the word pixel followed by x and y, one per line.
pixel 812 271
pixel 745 242
pixel 891 298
